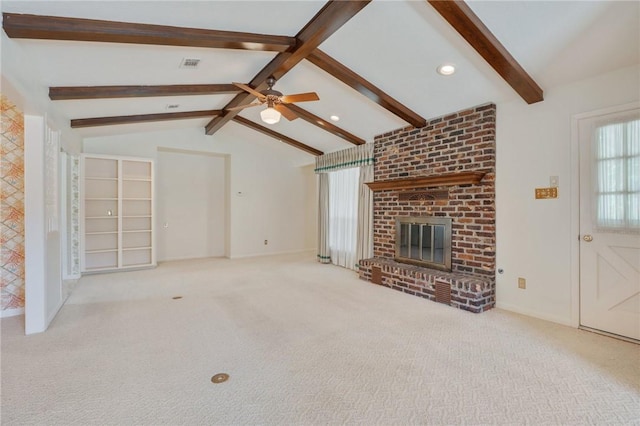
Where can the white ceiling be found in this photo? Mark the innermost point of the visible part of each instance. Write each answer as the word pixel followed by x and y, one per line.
pixel 396 45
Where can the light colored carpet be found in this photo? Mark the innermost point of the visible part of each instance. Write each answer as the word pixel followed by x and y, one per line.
pixel 303 343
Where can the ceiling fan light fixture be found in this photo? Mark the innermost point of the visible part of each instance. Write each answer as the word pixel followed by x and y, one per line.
pixel 446 69
pixel 270 115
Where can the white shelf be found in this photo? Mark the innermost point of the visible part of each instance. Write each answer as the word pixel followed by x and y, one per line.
pixel 99 269
pixel 102 251
pixel 122 186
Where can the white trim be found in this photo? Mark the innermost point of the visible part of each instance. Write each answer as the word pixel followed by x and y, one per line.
pixel 574 225
pixel 34 229
pixel 65 253
pixel 115 157
pixel 575 201
pixel 534 314
pixel 11 312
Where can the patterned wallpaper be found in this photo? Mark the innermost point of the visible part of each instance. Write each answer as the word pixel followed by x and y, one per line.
pixel 11 206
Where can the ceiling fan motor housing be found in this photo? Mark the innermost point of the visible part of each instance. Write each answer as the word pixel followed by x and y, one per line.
pixel 270 92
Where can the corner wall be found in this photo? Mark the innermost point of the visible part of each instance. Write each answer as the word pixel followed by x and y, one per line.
pixel 537 239
pixel 270 193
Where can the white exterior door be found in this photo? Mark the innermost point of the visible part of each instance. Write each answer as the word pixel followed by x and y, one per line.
pixel 610 221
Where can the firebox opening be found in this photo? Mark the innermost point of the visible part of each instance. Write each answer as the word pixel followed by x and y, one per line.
pixel 424 241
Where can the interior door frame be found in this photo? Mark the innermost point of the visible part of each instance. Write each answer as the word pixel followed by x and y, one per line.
pixel 575 200
pixel 43 291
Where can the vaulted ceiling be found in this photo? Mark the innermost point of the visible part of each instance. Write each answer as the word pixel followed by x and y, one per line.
pixel 373 64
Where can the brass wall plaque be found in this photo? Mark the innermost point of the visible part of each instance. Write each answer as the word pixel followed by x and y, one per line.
pixel 542 193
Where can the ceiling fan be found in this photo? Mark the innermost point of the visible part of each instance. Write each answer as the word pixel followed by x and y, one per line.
pixel 276 101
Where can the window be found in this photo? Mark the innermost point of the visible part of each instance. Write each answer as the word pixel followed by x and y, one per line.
pixel 617 158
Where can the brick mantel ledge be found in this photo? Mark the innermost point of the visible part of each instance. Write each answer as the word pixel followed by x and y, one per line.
pixel 468 292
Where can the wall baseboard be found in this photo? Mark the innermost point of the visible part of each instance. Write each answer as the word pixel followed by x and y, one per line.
pixel 535 314
pixel 177 259
pixel 276 253
pixel 11 312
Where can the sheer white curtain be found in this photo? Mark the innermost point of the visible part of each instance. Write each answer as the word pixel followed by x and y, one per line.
pixel 617 156
pixel 343 216
pixel 364 248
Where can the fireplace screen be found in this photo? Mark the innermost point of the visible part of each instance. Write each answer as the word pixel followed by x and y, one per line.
pixel 424 241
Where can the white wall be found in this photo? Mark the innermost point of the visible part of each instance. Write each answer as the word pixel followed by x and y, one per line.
pixel 271 194
pixel 17 83
pixel 537 239
pixel 191 210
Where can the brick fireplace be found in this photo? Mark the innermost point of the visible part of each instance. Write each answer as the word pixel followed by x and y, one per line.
pixel 445 169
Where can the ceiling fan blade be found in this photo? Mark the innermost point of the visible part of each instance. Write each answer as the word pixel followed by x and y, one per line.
pixel 286 112
pixel 250 90
pixel 244 106
pixel 300 97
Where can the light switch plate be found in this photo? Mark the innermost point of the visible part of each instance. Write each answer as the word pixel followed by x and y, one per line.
pixel 544 193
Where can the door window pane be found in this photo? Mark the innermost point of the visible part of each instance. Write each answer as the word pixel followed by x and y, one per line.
pixel 617 158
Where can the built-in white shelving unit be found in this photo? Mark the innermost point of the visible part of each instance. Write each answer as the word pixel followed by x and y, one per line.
pixel 116 213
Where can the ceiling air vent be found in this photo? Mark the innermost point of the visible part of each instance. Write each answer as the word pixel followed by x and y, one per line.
pixel 173 106
pixel 190 63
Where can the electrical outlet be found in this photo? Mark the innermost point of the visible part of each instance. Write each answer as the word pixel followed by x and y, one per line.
pixel 266 242
pixel 522 283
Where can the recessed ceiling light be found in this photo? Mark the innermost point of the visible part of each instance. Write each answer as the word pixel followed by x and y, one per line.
pixel 446 69
pixel 334 118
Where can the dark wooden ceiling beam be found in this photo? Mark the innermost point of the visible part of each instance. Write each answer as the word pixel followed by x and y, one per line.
pixel 282 138
pixel 328 20
pixel 350 78
pixel 472 29
pixel 76 29
pixel 325 125
pixel 106 92
pixel 142 118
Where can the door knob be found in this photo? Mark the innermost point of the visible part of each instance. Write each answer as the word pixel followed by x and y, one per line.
pixel 588 238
